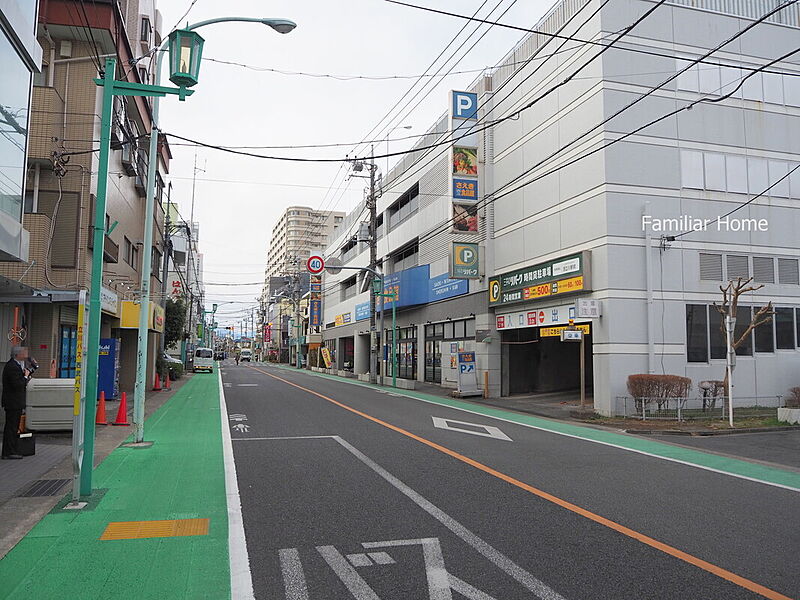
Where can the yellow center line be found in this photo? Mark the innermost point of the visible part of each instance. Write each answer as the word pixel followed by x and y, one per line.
pixel 666 548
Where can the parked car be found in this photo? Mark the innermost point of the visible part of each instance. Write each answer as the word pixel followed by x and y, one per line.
pixel 246 355
pixel 203 360
pixel 171 362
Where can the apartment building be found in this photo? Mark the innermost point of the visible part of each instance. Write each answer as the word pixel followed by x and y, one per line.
pixel 589 210
pixel 62 180
pixel 300 232
pixel 185 279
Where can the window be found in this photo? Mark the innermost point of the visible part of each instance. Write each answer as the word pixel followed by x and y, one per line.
pixel 710 80
pixel 15 81
pixel 797 326
pixel 743 317
pixel 788 272
pixel 784 328
pixel 405 206
pixel 773 88
pixel 710 267
pixel 714 168
pixel 405 258
pixel 738 266
pixel 349 288
pixel 763 269
pixel 146 29
pixel 765 341
pixel 143 75
pixel 778 171
pixel 128 249
pixel 752 88
pixel 736 174
pixel 155 263
pixel 692 169
pixel 688 80
pixel 697 332
pixel 791 90
pixel 757 175
pixel 716 335
pixel 349 250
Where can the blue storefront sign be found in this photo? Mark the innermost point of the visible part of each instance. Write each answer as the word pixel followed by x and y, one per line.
pixel 362 311
pixel 442 287
pixel 410 286
pixel 465 190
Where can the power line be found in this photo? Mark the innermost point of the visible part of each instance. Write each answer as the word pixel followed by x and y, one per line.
pixel 500 194
pixel 574 39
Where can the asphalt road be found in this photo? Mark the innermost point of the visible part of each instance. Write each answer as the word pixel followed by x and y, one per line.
pixel 778 447
pixel 386 504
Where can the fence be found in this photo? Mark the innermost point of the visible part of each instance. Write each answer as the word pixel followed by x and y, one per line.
pixel 696 408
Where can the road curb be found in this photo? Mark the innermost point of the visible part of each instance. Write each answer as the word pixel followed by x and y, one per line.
pixel 711 433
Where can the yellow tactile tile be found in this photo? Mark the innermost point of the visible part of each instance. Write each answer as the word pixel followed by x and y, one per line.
pixel 134 530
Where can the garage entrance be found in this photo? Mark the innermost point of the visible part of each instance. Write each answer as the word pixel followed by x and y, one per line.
pixel 533 363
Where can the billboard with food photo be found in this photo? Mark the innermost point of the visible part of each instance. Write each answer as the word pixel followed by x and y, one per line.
pixel 465 161
pixel 465 218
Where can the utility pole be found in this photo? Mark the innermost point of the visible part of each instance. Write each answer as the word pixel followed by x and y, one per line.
pixel 372 203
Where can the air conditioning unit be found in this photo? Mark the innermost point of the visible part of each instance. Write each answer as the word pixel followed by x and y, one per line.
pixel 129 158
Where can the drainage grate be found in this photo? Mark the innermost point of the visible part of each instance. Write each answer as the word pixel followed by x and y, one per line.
pixel 44 487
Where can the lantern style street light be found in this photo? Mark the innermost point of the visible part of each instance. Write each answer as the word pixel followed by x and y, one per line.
pixel 186 48
pixel 185 52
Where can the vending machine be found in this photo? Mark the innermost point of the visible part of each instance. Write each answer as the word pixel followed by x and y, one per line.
pixel 108 368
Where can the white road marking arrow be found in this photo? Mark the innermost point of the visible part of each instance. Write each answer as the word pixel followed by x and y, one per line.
pixel 489 431
pixel 241 427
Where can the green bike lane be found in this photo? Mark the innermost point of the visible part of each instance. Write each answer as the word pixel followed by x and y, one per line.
pixel 182 476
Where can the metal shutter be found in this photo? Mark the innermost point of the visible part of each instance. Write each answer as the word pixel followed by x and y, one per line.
pixel 710 267
pixel 763 269
pixel 738 266
pixel 788 272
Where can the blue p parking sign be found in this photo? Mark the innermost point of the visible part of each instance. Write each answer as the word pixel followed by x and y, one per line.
pixel 465 105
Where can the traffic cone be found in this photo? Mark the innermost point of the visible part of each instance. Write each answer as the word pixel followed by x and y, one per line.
pixel 101 410
pixel 122 412
pixel 167 384
pixel 157 383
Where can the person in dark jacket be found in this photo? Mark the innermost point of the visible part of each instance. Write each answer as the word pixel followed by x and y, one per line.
pixel 16 376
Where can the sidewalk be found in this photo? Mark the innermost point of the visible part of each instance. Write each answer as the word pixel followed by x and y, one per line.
pixel 181 477
pixel 31 487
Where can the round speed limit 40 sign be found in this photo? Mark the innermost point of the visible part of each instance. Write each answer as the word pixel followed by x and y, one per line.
pixel 315 265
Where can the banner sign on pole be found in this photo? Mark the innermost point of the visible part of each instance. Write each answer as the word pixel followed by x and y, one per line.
pixel 316 312
pixel 326 357
pixel 464 164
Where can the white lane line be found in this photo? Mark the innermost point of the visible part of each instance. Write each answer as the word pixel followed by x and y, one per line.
pixel 353 582
pixel 589 440
pixel 489 431
pixel 247 385
pixel 294 580
pixel 241 579
pixel 500 560
pixel 286 437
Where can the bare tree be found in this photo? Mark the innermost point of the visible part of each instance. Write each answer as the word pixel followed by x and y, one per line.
pixel 729 307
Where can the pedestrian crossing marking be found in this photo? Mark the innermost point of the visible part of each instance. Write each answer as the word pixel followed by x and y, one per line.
pixel 135 530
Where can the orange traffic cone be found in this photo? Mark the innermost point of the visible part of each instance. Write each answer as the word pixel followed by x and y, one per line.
pixel 157 383
pixel 122 412
pixel 167 384
pixel 101 410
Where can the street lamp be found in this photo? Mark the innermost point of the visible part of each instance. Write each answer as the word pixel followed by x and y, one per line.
pixel 184 66
pixel 388 133
pixel 186 54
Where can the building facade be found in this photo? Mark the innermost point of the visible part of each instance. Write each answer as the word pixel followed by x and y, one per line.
pixel 300 232
pixel 61 184
pixel 581 197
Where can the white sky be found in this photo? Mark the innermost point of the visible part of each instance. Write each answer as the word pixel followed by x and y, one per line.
pixel 237 106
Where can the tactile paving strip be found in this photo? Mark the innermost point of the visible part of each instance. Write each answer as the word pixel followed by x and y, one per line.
pixel 134 530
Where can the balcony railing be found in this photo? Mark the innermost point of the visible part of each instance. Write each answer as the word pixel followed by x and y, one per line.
pixel 110 249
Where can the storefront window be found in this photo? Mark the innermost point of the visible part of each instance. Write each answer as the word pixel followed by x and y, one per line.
pixel 15 85
pixel 435 335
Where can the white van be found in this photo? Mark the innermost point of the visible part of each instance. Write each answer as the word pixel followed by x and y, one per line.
pixel 246 355
pixel 203 360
